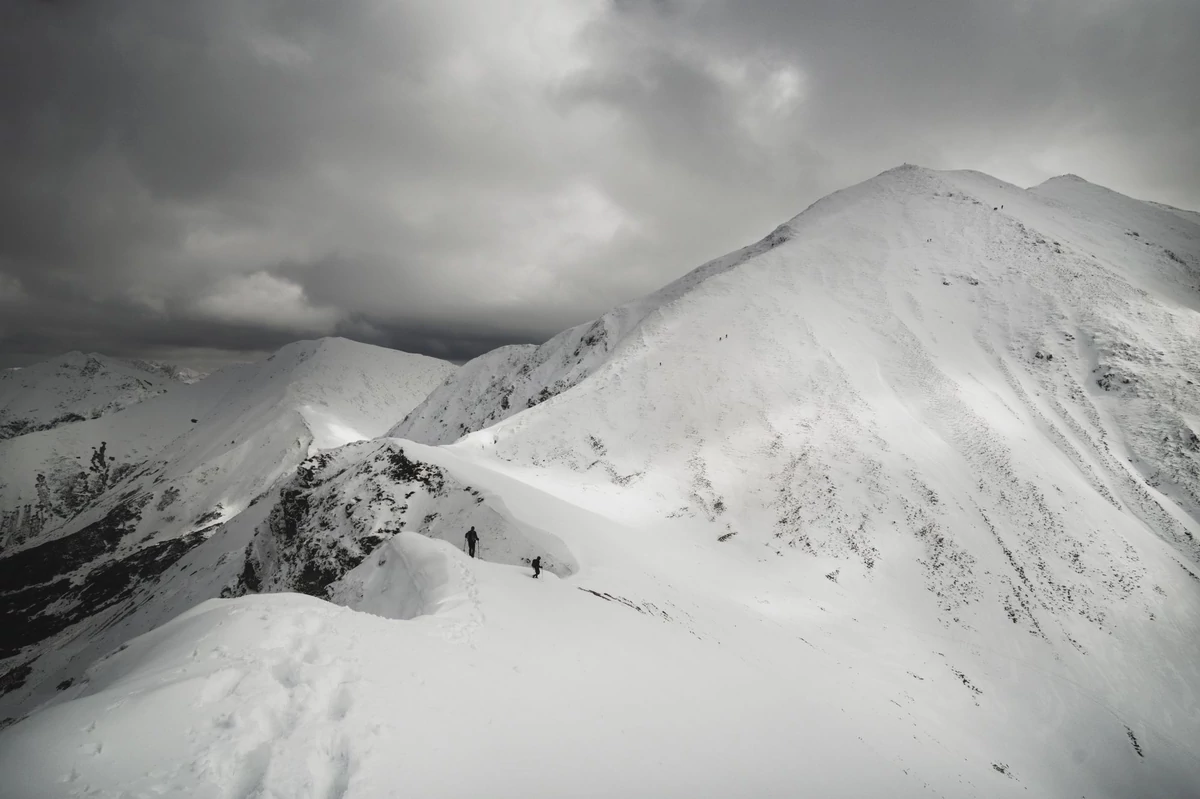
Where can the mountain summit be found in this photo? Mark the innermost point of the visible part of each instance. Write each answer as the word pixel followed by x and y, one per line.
pixel 902 500
pixel 75 387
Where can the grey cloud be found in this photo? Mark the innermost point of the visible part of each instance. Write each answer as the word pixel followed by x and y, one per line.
pixel 224 176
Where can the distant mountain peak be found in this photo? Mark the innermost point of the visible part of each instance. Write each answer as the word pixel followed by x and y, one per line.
pixel 1068 182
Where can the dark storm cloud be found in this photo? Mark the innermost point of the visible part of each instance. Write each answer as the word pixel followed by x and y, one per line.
pixel 228 175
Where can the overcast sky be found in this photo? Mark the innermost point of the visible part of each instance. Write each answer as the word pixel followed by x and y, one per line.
pixel 204 180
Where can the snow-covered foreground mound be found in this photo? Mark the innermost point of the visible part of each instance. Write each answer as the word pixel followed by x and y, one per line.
pixel 289 696
pixel 901 500
pixel 76 387
pixel 93 512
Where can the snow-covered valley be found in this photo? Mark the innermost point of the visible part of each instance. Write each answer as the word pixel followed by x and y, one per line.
pixel 902 500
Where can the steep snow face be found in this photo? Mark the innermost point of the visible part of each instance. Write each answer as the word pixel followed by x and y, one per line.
pixel 93 509
pixel 509 380
pixel 866 509
pixel 912 286
pixel 76 387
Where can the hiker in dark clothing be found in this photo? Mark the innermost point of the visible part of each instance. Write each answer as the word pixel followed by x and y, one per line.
pixel 472 540
pixel 537 566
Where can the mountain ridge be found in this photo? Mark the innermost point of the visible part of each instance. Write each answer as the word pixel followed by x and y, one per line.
pixel 902 499
pixel 77 386
pixel 95 509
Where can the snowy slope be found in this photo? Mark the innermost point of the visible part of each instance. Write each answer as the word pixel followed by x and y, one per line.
pixel 511 379
pixel 75 387
pixel 900 501
pixel 92 510
pixel 315 394
pixel 710 676
pixel 928 269
pixel 1159 242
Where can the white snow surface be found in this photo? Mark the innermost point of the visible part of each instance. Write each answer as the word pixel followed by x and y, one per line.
pixel 901 501
pixel 75 387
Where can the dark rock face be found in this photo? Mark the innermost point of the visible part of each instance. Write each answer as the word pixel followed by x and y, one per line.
pixel 63 492
pixel 403 470
pixel 333 512
pixel 63 555
pixel 14 678
pixel 85 546
pixel 11 428
pixel 339 508
pixel 343 505
pixel 48 588
pixel 78 575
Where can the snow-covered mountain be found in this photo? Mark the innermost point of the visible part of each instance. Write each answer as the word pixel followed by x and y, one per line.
pixel 900 501
pixel 91 511
pixel 76 387
pixel 181 373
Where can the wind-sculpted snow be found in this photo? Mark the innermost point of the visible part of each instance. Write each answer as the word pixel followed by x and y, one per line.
pixel 900 501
